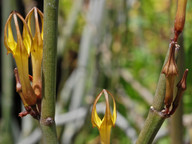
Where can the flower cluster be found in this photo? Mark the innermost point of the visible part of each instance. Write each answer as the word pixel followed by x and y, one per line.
pixel 104 125
pixel 28 87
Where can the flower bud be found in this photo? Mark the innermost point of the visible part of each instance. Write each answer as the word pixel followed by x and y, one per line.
pixel 104 125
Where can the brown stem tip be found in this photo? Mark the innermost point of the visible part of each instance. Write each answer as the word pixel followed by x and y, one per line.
pixel 180 18
pixel 181 86
pixel 182 83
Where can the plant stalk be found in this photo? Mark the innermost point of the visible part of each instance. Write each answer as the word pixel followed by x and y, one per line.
pixel 176 125
pixel 154 120
pixel 47 120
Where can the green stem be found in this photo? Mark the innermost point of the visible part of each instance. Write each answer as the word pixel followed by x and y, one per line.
pixel 176 125
pixel 49 71
pixel 154 120
pixel 151 127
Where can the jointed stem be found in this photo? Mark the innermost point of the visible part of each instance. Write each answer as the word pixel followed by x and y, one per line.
pixel 49 71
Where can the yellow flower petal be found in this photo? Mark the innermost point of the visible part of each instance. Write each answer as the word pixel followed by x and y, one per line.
pixel 108 120
pixel 36 49
pixel 96 121
pixel 9 41
pixel 20 51
pixel 24 41
pixel 114 116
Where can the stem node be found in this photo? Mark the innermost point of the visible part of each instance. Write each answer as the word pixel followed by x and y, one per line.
pixel 48 121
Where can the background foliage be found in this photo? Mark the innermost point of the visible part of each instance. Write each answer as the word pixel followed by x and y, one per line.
pixel 124 49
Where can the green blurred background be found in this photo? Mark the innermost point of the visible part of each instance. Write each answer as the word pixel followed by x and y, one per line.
pixel 118 45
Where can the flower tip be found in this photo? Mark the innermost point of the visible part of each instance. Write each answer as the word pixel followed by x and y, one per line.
pixel 13 12
pixel 35 8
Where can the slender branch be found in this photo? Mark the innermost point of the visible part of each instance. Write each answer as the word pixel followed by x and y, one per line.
pixel 49 71
pixel 155 117
pixel 176 125
pixel 154 121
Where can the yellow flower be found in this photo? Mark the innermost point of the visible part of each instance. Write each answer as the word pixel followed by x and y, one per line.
pixel 104 125
pixel 20 51
pixel 36 49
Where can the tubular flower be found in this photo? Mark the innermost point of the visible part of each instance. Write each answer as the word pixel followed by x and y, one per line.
pixel 20 51
pixel 170 71
pixel 36 49
pixel 104 125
